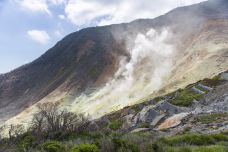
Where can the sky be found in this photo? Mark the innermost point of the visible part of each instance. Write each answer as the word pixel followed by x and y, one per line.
pixel 28 28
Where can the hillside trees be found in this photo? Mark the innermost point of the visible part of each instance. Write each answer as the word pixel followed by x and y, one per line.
pixel 51 121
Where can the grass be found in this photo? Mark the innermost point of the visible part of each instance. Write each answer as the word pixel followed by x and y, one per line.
pixel 194 139
pixel 192 143
pixel 52 146
pixel 115 124
pixel 211 148
pixel 133 142
pixel 85 148
pixel 209 118
pixel 185 98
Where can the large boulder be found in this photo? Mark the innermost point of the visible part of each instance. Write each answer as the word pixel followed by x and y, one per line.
pixel 166 107
pixel 147 114
pixel 172 121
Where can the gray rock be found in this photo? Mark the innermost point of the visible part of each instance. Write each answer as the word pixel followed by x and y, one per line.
pixel 224 76
pixel 205 87
pixel 129 122
pixel 103 121
pixel 93 126
pixel 166 107
pixel 156 120
pixel 196 90
pixel 147 114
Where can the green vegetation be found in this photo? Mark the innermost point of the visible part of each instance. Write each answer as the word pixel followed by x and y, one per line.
pixel 52 146
pixel 192 143
pixel 144 125
pixel 185 98
pixel 115 124
pixel 84 148
pixel 212 148
pixel 70 133
pixel 124 145
pixel 26 143
pixel 194 139
pixel 212 82
pixel 209 118
pixel 157 99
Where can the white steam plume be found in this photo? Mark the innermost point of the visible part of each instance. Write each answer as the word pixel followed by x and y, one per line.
pixel 150 63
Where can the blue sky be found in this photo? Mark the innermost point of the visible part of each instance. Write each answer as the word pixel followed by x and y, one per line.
pixel 29 27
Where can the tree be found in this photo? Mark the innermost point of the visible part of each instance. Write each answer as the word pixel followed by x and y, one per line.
pixel 2 128
pixel 51 120
pixel 15 131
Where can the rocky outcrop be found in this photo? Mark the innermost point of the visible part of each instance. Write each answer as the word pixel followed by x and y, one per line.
pixel 172 121
pixel 208 114
pixel 147 114
pixel 165 107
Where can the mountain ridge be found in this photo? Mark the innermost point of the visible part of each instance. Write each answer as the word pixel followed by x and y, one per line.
pixel 93 54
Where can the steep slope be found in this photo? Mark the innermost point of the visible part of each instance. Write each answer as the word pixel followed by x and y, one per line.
pixel 102 69
pixel 199 107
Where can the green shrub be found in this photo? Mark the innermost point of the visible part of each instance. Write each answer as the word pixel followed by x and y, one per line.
pixel 193 139
pixel 84 148
pixel 122 145
pixel 52 146
pixel 208 118
pixel 149 148
pixel 106 145
pixel 212 82
pixel 185 98
pixel 177 149
pixel 212 148
pixel 26 143
pixel 192 143
pixel 219 137
pixel 115 124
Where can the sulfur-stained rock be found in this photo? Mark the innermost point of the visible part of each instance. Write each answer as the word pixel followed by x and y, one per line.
pixel 172 121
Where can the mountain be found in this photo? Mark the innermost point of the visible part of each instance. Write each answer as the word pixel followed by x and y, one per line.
pixel 98 70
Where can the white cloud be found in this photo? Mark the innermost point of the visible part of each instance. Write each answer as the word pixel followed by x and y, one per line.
pixel 62 17
pixel 82 12
pixel 39 36
pixel 39 5
pixel 34 5
pixel 103 12
pixel 56 2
